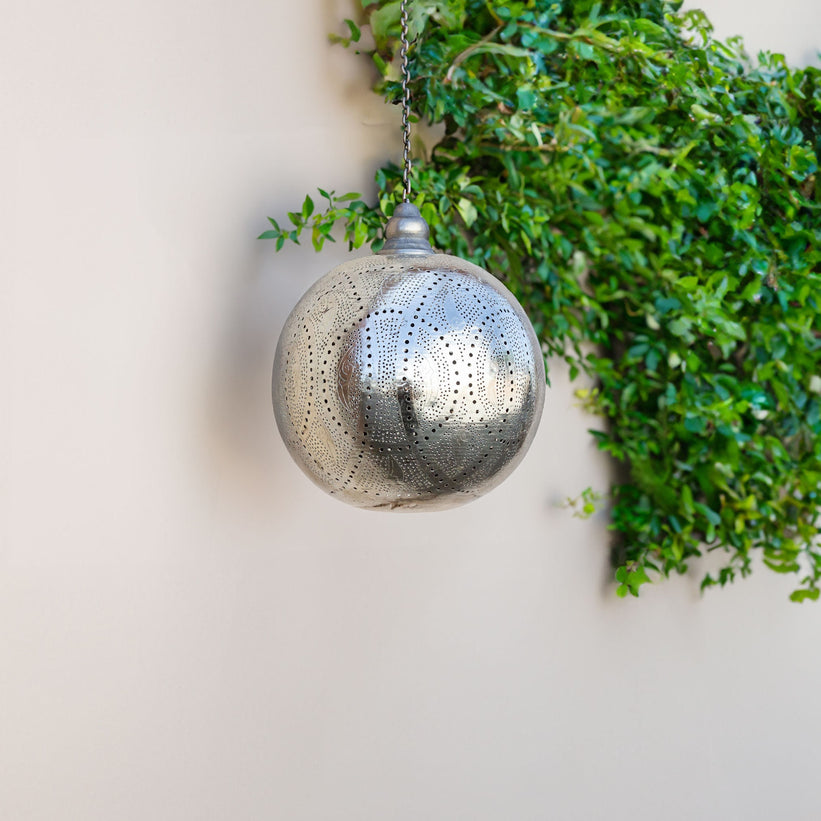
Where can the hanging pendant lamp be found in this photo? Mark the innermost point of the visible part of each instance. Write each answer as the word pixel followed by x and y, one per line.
pixel 408 380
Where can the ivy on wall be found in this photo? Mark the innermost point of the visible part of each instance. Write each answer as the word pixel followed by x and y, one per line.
pixel 653 200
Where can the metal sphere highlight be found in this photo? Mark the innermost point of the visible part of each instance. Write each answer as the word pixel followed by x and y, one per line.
pixel 408 381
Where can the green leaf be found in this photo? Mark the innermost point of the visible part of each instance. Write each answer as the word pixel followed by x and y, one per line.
pixel 354 29
pixel 360 236
pixel 467 210
pixel 804 594
pixel 383 20
pixel 708 514
pixel 525 97
pixel 636 578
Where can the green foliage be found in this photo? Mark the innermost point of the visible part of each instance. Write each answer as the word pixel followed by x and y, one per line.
pixel 348 207
pixel 584 505
pixel 653 200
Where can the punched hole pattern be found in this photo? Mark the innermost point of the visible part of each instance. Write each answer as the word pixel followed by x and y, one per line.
pixel 398 382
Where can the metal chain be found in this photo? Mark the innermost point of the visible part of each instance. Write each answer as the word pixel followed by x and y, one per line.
pixel 406 102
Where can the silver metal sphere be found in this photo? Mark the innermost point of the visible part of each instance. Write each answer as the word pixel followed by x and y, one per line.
pixel 408 380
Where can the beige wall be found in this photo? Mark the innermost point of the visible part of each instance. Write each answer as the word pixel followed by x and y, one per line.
pixel 790 27
pixel 188 628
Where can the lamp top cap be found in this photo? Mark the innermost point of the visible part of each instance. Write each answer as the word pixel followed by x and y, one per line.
pixel 406 233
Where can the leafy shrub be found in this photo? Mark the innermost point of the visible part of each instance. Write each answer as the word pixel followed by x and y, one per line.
pixel 653 200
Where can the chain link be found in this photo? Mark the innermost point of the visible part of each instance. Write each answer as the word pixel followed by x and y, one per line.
pixel 406 102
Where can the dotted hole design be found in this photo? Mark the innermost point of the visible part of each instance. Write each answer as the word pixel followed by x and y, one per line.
pixel 398 383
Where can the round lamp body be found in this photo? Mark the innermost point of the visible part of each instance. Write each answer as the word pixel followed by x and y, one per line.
pixel 408 382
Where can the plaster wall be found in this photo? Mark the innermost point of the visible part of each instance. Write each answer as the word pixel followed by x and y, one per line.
pixel 188 628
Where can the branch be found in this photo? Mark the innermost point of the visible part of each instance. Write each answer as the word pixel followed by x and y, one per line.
pixel 460 58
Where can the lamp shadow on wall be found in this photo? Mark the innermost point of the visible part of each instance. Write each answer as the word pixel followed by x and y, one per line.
pixel 242 443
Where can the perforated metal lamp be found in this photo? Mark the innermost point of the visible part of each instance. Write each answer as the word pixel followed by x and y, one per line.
pixel 408 379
